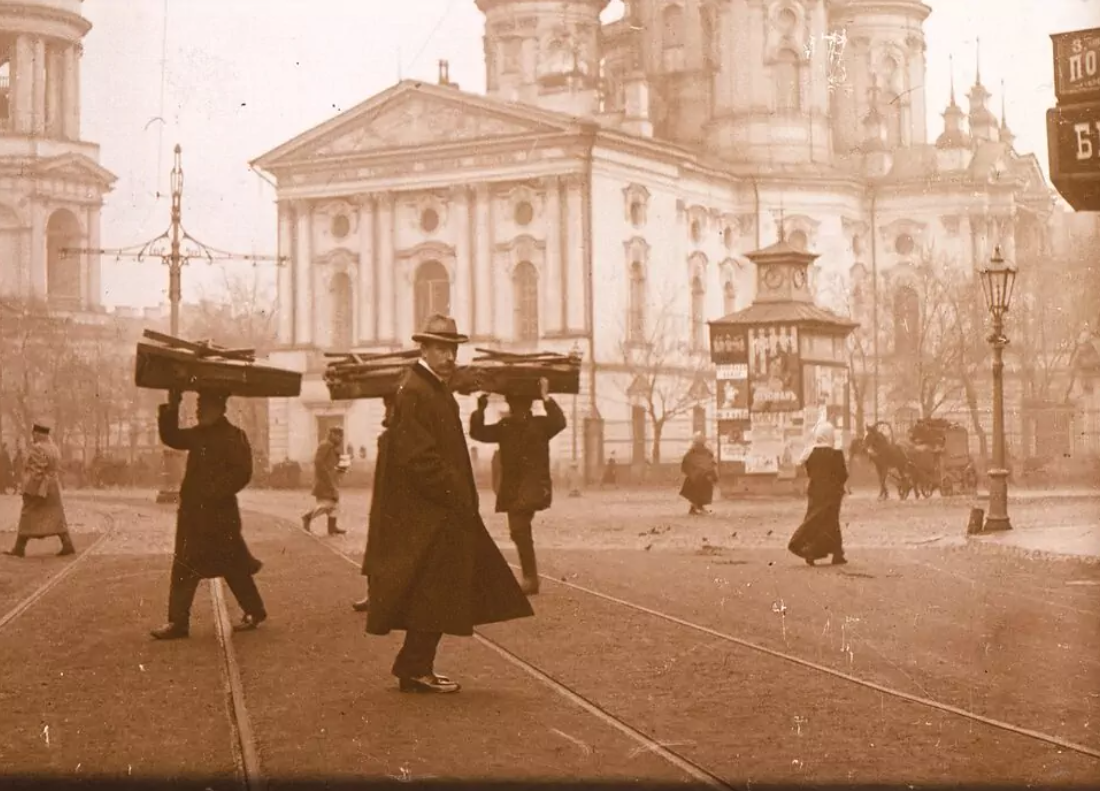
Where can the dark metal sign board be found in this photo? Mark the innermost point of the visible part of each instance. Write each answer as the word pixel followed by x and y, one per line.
pixel 1073 144
pixel 1077 65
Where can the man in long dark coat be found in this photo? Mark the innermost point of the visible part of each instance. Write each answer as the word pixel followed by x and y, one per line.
pixel 326 481
pixel 525 484
pixel 700 474
pixel 432 565
pixel 378 491
pixel 209 542
pixel 43 513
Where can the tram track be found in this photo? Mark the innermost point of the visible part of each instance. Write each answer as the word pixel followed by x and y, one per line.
pixel 700 773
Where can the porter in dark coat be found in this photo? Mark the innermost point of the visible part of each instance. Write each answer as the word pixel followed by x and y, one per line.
pixel 209 542
pixel 378 491
pixel 525 485
pixel 819 534
pixel 433 567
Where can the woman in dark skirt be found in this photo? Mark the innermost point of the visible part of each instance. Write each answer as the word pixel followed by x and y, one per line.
pixel 819 534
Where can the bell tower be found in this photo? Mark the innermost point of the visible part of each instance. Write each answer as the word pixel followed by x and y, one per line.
pixel 544 52
pixel 52 185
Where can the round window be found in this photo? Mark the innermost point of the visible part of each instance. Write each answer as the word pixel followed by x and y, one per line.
pixel 341 225
pixel 787 20
pixel 524 213
pixel 696 231
pixel 429 220
pixel 636 214
pixel 904 244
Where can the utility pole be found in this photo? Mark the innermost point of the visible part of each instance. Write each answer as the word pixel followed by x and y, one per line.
pixel 175 248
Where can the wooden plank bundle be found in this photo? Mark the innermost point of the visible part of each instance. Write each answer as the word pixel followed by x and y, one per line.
pixel 509 373
pixel 353 376
pixel 169 363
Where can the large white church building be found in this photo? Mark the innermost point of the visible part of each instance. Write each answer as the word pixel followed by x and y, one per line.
pixel 604 192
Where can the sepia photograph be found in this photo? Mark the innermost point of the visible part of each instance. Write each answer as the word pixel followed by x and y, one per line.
pixel 650 394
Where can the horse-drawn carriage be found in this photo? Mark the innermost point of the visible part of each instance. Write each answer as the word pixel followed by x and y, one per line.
pixel 937 456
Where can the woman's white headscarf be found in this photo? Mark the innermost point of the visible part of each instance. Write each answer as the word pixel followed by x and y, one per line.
pixel 824 437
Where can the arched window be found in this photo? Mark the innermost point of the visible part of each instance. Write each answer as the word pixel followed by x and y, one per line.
pixel 431 292
pixel 342 311
pixel 786 72
pixel 698 313
pixel 906 321
pixel 729 296
pixel 636 317
pixel 62 271
pixel 525 287
pixel 673 21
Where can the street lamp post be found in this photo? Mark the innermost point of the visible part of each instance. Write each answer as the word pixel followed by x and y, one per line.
pixel 998 280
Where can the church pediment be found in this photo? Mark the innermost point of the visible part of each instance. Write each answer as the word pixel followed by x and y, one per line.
pixel 414 115
pixel 76 167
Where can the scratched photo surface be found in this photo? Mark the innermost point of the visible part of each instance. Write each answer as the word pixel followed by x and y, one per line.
pixel 656 393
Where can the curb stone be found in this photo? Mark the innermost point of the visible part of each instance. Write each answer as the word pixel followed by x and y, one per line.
pixel 976 544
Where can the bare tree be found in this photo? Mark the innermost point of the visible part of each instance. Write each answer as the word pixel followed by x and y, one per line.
pixel 666 375
pixel 848 300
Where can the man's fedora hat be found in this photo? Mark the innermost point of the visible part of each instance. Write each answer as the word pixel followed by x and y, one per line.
pixel 441 329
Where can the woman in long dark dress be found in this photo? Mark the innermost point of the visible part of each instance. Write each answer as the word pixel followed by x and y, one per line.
pixel 819 534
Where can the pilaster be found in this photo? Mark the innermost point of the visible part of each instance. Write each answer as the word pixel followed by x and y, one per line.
pixel 23 87
pixel 574 286
pixel 70 109
pixel 387 298
pixel 484 319
pixel 95 294
pixel 463 306
pixel 286 271
pixel 38 113
pixel 303 274
pixel 553 279
pixel 368 266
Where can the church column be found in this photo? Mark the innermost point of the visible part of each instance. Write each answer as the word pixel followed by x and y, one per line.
pixel 551 287
pixel 92 295
pixel 387 317
pixel 70 109
pixel 23 87
pixel 483 283
pixel 303 275
pixel 55 76
pixel 38 112
pixel 574 286
pixel 37 246
pixel 462 309
pixel 286 270
pixel 367 320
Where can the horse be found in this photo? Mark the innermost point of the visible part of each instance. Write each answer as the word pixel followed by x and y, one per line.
pixel 887 456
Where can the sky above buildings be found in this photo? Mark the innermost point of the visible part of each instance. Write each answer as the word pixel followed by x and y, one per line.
pixel 230 79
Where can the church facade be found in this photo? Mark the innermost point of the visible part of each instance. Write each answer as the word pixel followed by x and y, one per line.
pixel 603 194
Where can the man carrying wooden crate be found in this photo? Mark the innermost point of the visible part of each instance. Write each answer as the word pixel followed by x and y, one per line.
pixel 525 482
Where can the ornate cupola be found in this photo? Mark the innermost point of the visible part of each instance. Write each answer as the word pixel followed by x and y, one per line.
pixel 983 123
pixel 954 135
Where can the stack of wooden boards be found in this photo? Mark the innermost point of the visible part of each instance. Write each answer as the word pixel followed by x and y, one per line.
pixel 352 376
pixel 169 363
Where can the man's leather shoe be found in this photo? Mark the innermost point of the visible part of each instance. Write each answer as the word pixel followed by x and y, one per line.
pixel 170 631
pixel 362 605
pixel 432 683
pixel 249 622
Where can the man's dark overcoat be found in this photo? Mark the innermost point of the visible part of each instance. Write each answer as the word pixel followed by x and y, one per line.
pixel 325 463
pixel 208 523
pixel 432 565
pixel 377 495
pixel 525 483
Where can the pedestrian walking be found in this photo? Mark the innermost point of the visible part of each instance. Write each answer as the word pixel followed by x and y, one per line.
pixel 819 534
pixel 610 472
pixel 327 471
pixel 525 485
pixel 43 513
pixel 7 479
pixel 433 567
pixel 700 474
pixel 209 542
pixel 378 490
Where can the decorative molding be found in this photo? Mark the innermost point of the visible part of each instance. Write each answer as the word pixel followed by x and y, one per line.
pixel 437 200
pixel 339 259
pixel 804 223
pixel 523 248
pixel 777 40
pixel 950 223
pixel 636 250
